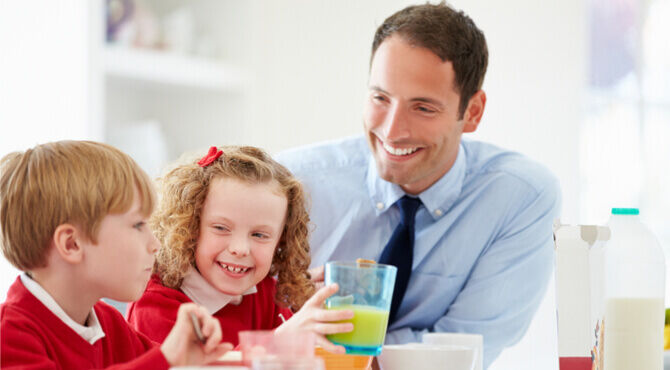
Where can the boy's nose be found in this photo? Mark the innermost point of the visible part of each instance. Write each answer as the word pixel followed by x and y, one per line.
pixel 154 244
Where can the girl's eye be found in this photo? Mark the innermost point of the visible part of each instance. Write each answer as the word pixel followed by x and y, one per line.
pixel 220 228
pixel 260 235
pixel 139 225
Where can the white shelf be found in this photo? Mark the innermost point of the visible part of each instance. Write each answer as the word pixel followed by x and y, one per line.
pixel 163 68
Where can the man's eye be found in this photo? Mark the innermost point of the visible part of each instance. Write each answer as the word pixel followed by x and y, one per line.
pixel 426 110
pixel 379 97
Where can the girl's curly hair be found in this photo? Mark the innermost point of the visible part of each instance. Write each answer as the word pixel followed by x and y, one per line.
pixel 176 222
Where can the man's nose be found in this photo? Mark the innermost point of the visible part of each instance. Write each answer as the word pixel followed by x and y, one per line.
pixel 396 126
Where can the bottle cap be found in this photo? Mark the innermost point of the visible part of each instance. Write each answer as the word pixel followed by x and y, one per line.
pixel 625 211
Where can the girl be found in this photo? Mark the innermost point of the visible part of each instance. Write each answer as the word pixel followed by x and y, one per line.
pixel 227 225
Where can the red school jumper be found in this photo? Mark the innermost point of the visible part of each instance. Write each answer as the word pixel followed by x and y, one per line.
pixel 155 312
pixel 31 336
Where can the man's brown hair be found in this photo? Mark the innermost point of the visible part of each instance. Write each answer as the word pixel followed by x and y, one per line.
pixel 449 34
pixel 76 182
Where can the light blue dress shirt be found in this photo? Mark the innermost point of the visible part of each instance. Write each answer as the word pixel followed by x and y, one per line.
pixel 483 249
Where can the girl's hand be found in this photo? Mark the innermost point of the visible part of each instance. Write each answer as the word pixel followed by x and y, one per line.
pixel 317 275
pixel 313 317
pixel 182 347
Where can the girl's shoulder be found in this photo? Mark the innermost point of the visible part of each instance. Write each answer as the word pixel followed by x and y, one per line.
pixel 269 283
pixel 157 291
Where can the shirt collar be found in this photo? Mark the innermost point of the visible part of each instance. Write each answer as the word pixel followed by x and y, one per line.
pixel 437 199
pixel 203 293
pixel 91 333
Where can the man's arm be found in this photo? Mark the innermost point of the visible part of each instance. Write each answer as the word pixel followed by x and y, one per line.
pixel 506 284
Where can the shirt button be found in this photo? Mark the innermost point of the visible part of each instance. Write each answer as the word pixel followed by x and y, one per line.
pixel 438 212
pixel 380 205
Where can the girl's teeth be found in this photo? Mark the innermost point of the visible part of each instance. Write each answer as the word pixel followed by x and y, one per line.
pixel 234 269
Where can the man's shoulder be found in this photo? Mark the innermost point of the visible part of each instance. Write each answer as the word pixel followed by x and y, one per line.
pixel 486 160
pixel 349 152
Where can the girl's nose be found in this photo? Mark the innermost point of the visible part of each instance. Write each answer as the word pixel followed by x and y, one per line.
pixel 239 247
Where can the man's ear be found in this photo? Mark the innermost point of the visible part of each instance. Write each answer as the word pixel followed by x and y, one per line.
pixel 67 242
pixel 474 111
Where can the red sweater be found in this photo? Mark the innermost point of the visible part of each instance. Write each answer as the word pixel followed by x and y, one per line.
pixel 33 337
pixel 155 312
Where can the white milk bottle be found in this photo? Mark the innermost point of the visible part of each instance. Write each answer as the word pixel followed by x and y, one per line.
pixel 634 295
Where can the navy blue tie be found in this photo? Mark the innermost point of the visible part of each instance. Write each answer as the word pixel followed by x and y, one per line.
pixel 399 251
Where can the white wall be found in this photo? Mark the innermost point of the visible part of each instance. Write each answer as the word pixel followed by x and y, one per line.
pixel 44 79
pixel 311 64
pixel 310 60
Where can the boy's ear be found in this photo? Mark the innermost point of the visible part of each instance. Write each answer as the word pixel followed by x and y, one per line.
pixel 66 243
pixel 474 111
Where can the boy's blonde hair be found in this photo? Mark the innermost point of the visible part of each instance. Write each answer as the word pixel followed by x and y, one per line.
pixel 176 222
pixel 76 182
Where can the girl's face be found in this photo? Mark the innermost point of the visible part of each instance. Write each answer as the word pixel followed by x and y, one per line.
pixel 240 227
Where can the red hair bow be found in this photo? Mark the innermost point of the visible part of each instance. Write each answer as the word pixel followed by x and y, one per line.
pixel 212 155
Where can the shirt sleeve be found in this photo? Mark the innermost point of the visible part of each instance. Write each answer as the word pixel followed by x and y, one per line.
pixel 21 348
pixel 153 360
pixel 507 283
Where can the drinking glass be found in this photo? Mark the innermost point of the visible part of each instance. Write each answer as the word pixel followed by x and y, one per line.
pixel 366 289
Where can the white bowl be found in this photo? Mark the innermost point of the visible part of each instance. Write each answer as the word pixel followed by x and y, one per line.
pixel 426 357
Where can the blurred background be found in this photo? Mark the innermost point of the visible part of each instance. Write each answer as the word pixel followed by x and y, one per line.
pixel 581 86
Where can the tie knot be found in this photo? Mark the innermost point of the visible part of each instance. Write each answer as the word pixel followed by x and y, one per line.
pixel 408 207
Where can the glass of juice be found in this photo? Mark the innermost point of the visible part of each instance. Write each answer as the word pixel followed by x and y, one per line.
pixel 366 289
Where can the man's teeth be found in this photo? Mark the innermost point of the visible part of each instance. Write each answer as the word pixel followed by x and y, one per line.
pixel 234 269
pixel 399 151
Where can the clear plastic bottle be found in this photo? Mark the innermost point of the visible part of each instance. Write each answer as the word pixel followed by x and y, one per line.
pixel 634 295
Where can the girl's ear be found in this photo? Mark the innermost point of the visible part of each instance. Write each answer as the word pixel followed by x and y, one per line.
pixel 67 241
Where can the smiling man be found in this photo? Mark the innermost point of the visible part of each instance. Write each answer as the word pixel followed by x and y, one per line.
pixel 468 224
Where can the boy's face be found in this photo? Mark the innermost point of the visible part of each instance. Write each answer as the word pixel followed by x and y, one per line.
pixel 411 116
pixel 119 265
pixel 240 226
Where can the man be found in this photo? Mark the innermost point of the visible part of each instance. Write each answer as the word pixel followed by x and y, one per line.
pixel 480 240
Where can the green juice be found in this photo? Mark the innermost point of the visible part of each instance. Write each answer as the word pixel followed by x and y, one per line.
pixel 369 330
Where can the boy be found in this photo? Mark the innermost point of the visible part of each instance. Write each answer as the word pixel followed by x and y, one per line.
pixel 73 218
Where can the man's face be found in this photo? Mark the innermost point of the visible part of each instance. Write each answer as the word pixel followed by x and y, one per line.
pixel 411 115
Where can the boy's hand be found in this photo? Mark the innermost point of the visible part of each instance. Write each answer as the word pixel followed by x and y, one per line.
pixel 182 347
pixel 313 317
